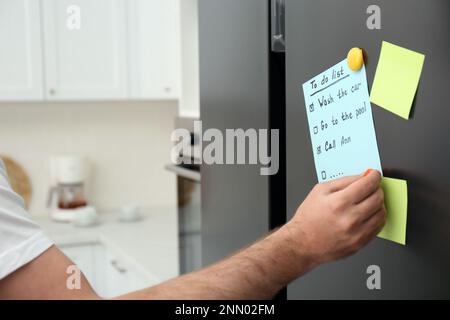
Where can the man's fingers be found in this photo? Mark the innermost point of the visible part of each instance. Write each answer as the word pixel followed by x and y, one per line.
pixel 371 235
pixel 363 187
pixel 373 226
pixel 342 183
pixel 366 208
pixel 376 221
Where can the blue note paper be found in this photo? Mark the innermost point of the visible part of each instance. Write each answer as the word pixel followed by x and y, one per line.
pixel 340 122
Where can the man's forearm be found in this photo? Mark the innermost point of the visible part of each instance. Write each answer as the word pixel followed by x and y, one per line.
pixel 257 272
pixel 336 219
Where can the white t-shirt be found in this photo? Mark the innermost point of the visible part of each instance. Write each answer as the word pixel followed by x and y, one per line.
pixel 21 240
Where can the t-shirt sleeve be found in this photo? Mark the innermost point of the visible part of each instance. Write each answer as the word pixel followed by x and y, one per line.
pixel 21 240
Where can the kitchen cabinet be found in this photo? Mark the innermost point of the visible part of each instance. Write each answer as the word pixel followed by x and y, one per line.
pixel 89 62
pixel 121 277
pixel 84 256
pixel 109 274
pixel 155 51
pixel 119 50
pixel 20 50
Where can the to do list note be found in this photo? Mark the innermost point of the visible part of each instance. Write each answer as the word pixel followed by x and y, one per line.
pixel 340 122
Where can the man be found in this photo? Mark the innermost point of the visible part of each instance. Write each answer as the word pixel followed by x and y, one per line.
pixel 334 221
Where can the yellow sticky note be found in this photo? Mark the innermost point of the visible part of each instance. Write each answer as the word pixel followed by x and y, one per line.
pixel 396 201
pixel 396 79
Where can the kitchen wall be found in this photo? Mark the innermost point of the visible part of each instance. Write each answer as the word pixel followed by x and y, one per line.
pixel 128 144
pixel 190 82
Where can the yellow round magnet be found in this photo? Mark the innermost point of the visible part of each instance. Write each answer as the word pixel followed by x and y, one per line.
pixel 355 59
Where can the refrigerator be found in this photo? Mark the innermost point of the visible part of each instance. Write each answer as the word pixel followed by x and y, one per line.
pixel 254 57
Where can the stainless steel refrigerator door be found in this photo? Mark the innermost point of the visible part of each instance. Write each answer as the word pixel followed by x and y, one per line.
pixel 234 46
pixel 319 34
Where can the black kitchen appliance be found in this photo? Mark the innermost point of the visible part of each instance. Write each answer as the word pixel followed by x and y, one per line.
pixel 188 201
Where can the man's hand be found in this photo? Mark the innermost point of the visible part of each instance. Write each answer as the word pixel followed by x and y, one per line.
pixel 339 217
pixel 335 220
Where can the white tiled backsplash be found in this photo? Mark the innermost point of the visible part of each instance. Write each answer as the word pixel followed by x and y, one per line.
pixel 127 143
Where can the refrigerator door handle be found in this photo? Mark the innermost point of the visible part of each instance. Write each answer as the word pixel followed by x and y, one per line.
pixel 278 25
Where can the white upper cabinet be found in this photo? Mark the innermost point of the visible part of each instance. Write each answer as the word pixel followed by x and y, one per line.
pixel 78 50
pixel 20 50
pixel 155 50
pixel 85 49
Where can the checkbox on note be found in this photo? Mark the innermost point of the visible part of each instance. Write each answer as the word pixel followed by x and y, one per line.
pixel 316 130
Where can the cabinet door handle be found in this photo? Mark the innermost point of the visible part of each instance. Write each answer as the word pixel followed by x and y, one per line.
pixel 52 92
pixel 116 266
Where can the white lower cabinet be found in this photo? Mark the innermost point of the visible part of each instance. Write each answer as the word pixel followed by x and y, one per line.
pixel 121 278
pixel 109 274
pixel 84 257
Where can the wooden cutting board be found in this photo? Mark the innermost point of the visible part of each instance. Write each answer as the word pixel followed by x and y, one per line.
pixel 20 182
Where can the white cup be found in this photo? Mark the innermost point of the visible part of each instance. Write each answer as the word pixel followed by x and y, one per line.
pixel 129 213
pixel 85 217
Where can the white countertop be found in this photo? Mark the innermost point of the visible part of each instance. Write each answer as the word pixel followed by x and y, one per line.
pixel 151 244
